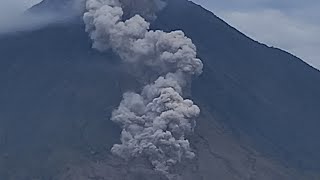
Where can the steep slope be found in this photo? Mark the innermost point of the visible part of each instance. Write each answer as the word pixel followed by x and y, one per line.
pixel 268 93
pixel 49 94
pixel 259 104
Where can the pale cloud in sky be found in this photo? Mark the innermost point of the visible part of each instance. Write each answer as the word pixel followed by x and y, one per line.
pixel 13 16
pixel 10 10
pixel 275 28
pixel 292 25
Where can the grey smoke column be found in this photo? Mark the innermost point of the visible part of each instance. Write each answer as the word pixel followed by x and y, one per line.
pixel 157 121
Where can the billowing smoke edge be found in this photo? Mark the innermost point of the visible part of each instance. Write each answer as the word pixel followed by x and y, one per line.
pixel 156 122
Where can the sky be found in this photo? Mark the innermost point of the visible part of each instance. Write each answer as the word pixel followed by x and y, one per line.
pixel 291 25
pixel 10 14
pixel 9 8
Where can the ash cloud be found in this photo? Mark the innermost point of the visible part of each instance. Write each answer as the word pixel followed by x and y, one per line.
pixel 157 121
pixel 156 128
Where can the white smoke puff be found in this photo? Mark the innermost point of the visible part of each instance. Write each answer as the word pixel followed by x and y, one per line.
pixel 174 81
pixel 156 128
pixel 169 51
pixel 99 20
pixel 156 122
pixel 132 40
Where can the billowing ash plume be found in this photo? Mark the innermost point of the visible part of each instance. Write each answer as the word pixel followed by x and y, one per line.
pixel 157 121
pixel 155 124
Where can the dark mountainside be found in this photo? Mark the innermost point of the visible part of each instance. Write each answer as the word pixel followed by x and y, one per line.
pixel 259 105
pixel 265 91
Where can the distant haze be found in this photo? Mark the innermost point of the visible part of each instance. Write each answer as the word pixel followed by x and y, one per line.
pixel 290 25
pixel 13 16
pixel 10 8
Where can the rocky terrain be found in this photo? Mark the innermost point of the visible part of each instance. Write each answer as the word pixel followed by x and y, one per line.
pixel 259 117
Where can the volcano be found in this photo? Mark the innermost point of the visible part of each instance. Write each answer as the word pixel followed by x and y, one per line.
pixel 259 105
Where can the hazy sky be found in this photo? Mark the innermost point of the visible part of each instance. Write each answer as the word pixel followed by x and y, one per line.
pixel 12 7
pixel 12 18
pixel 292 25
pixel 9 9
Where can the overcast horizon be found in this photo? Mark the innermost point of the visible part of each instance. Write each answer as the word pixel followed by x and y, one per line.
pixel 292 26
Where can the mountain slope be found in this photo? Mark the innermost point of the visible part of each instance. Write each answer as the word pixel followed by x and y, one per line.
pixel 266 92
pixel 259 104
